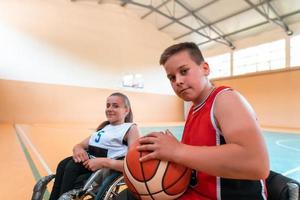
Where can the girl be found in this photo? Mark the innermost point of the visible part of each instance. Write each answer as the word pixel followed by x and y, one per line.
pixel 103 149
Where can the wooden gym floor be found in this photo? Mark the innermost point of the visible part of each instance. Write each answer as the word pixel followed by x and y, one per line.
pixel 30 151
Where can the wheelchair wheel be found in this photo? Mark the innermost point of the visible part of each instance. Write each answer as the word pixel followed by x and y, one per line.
pixel 113 189
pixel 77 194
pixel 110 187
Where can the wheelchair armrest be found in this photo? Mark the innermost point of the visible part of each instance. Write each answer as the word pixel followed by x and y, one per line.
pixel 281 187
pixel 40 187
pixel 294 191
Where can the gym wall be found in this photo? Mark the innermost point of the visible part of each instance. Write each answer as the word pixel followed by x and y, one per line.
pixel 61 59
pixel 274 96
pixel 26 102
pixel 80 44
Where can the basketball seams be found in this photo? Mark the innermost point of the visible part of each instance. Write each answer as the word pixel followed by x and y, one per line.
pixel 164 189
pixel 175 181
pixel 155 170
pixel 146 185
pixel 129 169
pixel 146 181
pixel 154 180
pixel 131 172
pixel 128 175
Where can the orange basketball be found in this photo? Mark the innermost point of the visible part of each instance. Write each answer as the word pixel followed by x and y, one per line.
pixel 154 179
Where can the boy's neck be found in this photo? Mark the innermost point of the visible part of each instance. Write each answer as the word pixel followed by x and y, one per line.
pixel 205 94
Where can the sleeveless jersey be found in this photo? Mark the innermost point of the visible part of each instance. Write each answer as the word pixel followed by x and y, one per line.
pixel 201 130
pixel 109 141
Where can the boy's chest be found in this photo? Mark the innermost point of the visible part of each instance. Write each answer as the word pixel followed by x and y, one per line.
pixel 199 130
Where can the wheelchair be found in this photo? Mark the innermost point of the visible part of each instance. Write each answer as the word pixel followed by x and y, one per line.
pixel 279 187
pixel 103 184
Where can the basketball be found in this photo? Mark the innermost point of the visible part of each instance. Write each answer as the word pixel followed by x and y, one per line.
pixel 154 179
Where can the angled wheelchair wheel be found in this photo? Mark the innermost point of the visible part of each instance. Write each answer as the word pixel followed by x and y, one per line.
pixel 114 188
pixel 102 184
pixel 110 187
pixel 77 194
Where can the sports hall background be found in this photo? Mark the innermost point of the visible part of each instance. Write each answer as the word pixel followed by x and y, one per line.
pixel 59 61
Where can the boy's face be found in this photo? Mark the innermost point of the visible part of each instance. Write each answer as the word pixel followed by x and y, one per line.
pixel 188 79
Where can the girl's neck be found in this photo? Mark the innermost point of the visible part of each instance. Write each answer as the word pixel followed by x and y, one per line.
pixel 116 123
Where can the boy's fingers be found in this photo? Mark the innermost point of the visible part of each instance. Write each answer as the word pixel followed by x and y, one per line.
pixel 147 157
pixel 145 147
pixel 153 134
pixel 147 140
pixel 168 132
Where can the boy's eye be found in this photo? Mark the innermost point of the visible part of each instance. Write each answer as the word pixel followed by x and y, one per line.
pixel 171 78
pixel 184 71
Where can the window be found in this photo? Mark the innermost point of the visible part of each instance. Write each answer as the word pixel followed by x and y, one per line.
pixel 219 65
pixel 263 57
pixel 295 51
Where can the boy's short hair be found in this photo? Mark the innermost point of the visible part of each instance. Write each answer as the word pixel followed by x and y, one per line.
pixel 191 47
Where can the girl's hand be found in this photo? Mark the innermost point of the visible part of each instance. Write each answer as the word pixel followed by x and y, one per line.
pixel 79 154
pixel 94 164
pixel 162 145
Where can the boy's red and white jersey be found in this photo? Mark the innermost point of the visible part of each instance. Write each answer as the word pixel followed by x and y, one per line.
pixel 201 130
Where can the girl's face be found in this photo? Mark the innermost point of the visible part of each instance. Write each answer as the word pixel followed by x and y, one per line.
pixel 188 79
pixel 116 111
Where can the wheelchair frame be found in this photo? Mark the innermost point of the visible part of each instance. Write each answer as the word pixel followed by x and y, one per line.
pixel 279 187
pixel 88 191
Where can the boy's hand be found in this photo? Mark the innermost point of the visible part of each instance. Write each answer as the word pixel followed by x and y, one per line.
pixel 162 145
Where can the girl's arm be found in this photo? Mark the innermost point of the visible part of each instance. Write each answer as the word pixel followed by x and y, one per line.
pixel 132 134
pixel 79 151
pixel 98 163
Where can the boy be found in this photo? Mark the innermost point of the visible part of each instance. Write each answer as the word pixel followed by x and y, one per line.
pixel 221 142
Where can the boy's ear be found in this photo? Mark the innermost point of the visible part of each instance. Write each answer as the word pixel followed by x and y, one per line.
pixel 206 68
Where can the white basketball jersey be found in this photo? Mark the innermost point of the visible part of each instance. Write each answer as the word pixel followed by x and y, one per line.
pixel 109 141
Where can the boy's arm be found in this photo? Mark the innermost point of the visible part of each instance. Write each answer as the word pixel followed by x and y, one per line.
pixel 244 156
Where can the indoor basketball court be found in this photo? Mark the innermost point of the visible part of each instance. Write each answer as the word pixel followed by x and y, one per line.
pixel 61 59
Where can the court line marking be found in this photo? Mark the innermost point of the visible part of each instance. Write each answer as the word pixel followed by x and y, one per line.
pixel 291 171
pixel 25 138
pixel 278 142
pixel 32 165
pixel 34 170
